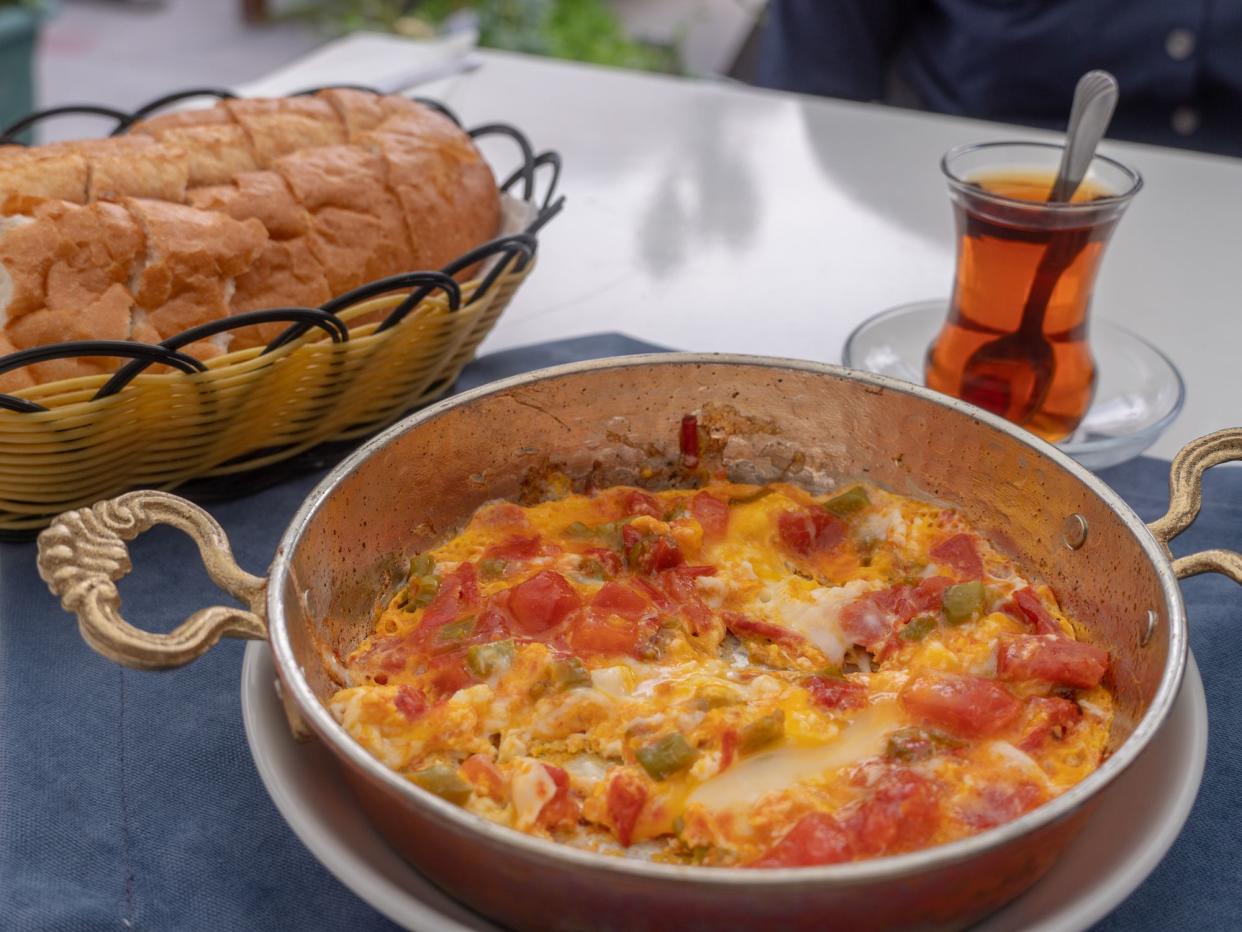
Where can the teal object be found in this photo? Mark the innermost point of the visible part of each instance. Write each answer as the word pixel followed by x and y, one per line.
pixel 19 27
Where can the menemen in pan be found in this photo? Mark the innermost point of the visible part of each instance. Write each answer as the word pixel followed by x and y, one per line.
pixel 735 675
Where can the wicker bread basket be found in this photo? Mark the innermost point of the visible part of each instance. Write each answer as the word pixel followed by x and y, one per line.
pixel 338 372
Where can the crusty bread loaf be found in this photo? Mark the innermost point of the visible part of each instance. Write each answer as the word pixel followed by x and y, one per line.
pixel 42 173
pixel 445 201
pixel 134 166
pixel 18 378
pixel 27 249
pixel 215 153
pixel 192 257
pixel 284 125
pixel 263 195
pixel 360 111
pixel 245 205
pixel 358 232
pixel 205 116
pixel 105 316
pixel 286 272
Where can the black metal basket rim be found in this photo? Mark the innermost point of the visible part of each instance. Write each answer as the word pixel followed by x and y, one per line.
pixel 515 250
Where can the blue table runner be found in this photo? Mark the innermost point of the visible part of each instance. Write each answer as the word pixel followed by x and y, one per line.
pixel 128 800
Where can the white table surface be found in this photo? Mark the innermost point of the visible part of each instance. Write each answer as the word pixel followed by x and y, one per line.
pixel 716 217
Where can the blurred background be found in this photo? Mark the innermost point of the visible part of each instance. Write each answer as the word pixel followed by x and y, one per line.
pixel 1179 64
pixel 124 52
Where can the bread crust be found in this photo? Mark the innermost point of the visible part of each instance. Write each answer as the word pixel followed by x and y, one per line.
pixel 42 173
pixel 278 126
pixel 215 153
pixel 358 232
pixel 192 257
pixel 134 166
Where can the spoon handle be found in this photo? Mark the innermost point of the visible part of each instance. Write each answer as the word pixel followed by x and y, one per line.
pixel 1095 99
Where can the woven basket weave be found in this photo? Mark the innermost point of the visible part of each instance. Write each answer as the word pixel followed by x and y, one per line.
pixel 72 442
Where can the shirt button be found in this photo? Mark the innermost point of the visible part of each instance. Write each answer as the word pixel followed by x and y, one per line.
pixel 1180 44
pixel 1185 120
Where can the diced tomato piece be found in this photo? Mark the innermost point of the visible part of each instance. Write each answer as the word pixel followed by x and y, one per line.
pixel 487 778
pixel 614 598
pixel 960 552
pixel 515 548
pixel 1028 606
pixel 869 620
pixel 1053 658
pixel 410 702
pixel 997 804
pixel 712 515
pixel 688 441
pixel 626 797
pixel 728 748
pixel 965 705
pixel 637 503
pixel 681 591
pixel 816 838
pixel 610 560
pixel 1046 717
pixel 836 694
pixel 449 673
pixel 657 595
pixel 745 627
pixel 901 814
pixel 929 594
pixel 457 596
pixel 542 602
pixel 562 810
pixel 595 632
pixel 390 654
pixel 650 553
pixel 664 555
pixel 492 624
pixel 807 532
pixel 872 619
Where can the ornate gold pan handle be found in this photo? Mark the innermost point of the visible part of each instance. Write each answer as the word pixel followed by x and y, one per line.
pixel 1186 496
pixel 83 553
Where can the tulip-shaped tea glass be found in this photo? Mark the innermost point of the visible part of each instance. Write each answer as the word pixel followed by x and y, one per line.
pixel 1015 340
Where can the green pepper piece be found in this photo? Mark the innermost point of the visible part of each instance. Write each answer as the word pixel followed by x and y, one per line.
pixel 426 592
pixel 666 756
pixel 609 533
pixel 456 630
pixel 963 601
pixel 848 502
pixel 491 569
pixel 592 568
pixel 444 781
pixel 422 564
pixel 916 744
pixel 918 628
pixel 761 732
pixel 486 659
pixel 569 673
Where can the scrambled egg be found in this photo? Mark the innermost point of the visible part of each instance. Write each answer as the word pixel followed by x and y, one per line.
pixel 736 675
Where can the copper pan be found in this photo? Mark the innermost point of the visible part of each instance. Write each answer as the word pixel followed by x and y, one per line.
pixel 616 420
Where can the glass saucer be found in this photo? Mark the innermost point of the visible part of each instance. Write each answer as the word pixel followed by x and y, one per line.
pixel 1139 393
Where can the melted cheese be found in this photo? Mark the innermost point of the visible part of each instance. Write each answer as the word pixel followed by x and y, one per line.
pixel 742 786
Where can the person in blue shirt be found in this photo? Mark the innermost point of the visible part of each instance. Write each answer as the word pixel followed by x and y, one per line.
pixel 1178 62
